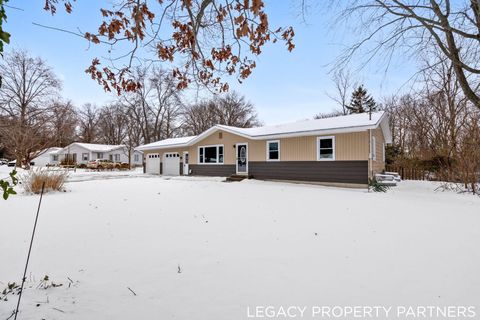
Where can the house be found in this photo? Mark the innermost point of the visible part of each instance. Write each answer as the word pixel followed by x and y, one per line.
pixel 46 157
pixel 344 150
pixel 81 153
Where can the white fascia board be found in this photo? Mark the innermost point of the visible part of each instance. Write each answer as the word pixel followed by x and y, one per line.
pixel 387 132
pixel 177 145
pixel 214 129
pixel 314 133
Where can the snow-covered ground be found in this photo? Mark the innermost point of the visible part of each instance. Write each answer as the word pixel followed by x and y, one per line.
pixel 199 248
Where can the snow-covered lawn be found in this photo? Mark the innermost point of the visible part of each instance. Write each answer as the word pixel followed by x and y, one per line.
pixel 199 248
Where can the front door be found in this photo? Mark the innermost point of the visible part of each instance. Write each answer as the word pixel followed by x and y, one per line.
pixel 185 164
pixel 242 158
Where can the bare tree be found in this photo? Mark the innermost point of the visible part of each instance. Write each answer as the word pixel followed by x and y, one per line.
pixel 233 110
pixel 63 123
pixel 411 28
pixel 344 85
pixel 199 117
pixel 88 117
pixel 28 88
pixel 155 105
pixel 230 109
pixel 324 115
pixel 437 128
pixel 112 125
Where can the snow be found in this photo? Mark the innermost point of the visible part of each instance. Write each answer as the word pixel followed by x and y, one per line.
pixel 348 123
pixel 237 245
pixel 96 147
pixel 333 123
pixel 167 143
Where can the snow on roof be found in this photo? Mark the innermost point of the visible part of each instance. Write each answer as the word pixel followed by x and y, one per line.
pixel 167 143
pixel 95 147
pixel 51 150
pixel 348 123
pixel 334 123
pixel 99 147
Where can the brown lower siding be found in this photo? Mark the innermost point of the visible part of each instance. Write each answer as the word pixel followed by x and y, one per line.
pixel 212 170
pixel 317 171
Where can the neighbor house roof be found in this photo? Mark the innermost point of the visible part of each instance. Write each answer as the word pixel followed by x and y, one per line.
pixel 51 150
pixel 94 147
pixel 340 124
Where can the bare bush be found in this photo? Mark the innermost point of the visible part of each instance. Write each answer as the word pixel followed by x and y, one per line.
pixel 33 180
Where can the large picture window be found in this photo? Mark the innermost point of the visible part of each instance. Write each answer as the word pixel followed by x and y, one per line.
pixel 210 154
pixel 273 150
pixel 374 149
pixel 326 148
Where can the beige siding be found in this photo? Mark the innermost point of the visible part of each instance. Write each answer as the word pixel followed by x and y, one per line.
pixel 256 149
pixel 298 149
pixel 348 146
pixel 351 146
pixel 378 165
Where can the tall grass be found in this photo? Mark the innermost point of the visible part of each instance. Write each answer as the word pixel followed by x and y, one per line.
pixel 33 179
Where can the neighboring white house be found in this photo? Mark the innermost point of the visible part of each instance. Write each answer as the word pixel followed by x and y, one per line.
pixel 47 157
pixel 81 153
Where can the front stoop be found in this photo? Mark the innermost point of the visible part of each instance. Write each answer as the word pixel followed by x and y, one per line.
pixel 236 178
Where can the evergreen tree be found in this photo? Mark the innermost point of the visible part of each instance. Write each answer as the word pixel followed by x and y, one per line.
pixel 361 101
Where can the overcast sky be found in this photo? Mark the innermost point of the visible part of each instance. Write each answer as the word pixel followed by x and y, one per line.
pixel 284 87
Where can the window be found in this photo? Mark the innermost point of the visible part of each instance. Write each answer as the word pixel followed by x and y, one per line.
pixel 84 156
pixel 374 149
pixel 383 152
pixel 55 157
pixel 210 154
pixel 273 150
pixel 136 157
pixel 117 157
pixel 172 155
pixel 326 148
pixel 99 155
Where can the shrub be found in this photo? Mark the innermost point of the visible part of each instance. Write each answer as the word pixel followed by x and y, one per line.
pixel 376 186
pixel 33 180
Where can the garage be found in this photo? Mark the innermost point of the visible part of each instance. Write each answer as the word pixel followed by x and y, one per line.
pixel 152 164
pixel 171 164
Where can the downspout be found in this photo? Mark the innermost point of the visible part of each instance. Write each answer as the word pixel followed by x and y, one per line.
pixel 370 160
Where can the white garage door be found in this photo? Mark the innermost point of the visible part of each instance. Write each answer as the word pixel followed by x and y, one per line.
pixel 171 164
pixel 152 164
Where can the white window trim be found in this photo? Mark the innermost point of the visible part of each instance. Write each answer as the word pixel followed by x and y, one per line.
pixel 373 150
pixel 383 149
pixel 268 150
pixel 318 148
pixel 210 163
pixel 236 157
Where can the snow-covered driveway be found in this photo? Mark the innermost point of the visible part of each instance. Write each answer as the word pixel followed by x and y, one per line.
pixel 194 248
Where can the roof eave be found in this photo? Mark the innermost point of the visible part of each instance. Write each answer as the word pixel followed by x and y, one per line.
pixel 146 148
pixel 313 132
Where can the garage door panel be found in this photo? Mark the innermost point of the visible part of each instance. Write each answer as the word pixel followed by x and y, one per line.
pixel 171 164
pixel 152 164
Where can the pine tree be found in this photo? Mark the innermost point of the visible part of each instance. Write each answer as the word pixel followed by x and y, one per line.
pixel 361 101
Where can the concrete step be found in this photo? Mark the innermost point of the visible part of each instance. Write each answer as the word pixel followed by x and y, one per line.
pixel 236 177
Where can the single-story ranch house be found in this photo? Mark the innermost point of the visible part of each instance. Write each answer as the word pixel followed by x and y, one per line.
pixel 81 153
pixel 45 157
pixel 338 150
